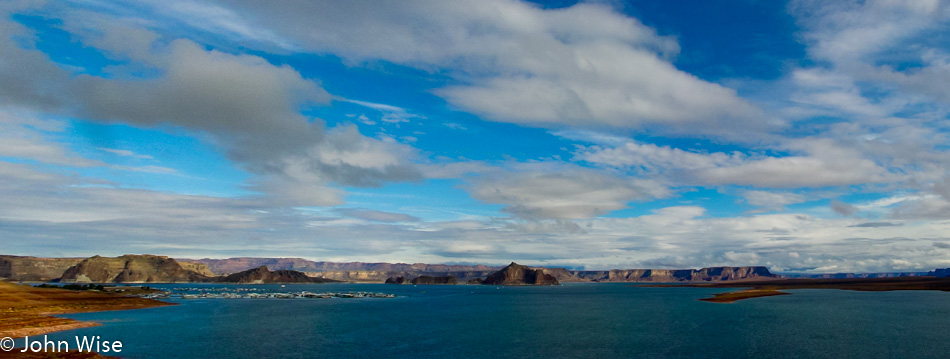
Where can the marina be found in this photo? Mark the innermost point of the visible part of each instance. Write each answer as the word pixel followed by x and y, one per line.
pixel 256 293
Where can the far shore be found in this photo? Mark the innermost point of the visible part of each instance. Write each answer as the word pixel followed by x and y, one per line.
pixel 768 288
pixel 28 310
pixel 730 297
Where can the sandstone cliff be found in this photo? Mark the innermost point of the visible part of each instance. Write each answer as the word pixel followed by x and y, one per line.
pixel 34 269
pixel 856 275
pixel 397 280
pixel 197 268
pixel 424 279
pixel 712 274
pixel 263 275
pixel 940 273
pixel 147 268
pixel 516 274
pixel 130 269
pixel 353 269
pixel 562 275
pixel 382 276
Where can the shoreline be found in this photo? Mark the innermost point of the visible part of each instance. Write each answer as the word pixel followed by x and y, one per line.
pixel 855 284
pixel 29 311
pixel 730 297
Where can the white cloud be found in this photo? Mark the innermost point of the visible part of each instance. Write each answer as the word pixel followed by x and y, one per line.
pixel 876 58
pixel 246 106
pixel 65 216
pixel 125 153
pixel 391 114
pixel 843 208
pixel 19 138
pixel 365 120
pixel 771 200
pixel 848 31
pixel 565 194
pixel 820 163
pixel 582 66
pixel 377 216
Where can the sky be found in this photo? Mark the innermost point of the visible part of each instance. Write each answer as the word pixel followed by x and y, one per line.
pixel 806 136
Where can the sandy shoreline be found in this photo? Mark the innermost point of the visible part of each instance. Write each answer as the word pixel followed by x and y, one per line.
pixel 768 288
pixel 27 310
pixel 730 297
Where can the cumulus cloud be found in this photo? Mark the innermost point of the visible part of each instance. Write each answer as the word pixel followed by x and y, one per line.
pixel 250 108
pixel 29 79
pixel 879 57
pixel 927 206
pixel 878 71
pixel 246 106
pixel 843 208
pixel 579 70
pixel 821 163
pixel 19 140
pixel 569 194
pixel 582 66
pixel 771 200
pixel 852 31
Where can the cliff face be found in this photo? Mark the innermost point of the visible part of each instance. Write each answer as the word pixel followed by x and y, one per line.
pixel 382 276
pixel 733 273
pixel 563 275
pixel 857 275
pixel 353 269
pixel 434 280
pixel 396 280
pixel 16 268
pixel 197 268
pixel 263 275
pixel 940 273
pixel 147 268
pixel 423 280
pixel 516 274
pixel 130 269
pixel 712 274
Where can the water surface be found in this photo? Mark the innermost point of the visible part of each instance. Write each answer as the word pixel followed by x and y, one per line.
pixel 606 320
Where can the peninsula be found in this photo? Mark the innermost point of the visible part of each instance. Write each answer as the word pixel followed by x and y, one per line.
pixel 27 310
pixel 757 289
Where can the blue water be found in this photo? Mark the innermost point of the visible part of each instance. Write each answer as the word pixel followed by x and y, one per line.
pixel 608 320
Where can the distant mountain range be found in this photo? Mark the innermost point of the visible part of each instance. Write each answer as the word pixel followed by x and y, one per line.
pixel 155 269
pixel 380 272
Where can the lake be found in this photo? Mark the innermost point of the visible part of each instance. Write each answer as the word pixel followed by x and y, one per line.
pixel 602 320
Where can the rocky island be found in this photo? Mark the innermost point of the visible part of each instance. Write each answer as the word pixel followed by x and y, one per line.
pixel 262 275
pixel 516 274
pixel 423 280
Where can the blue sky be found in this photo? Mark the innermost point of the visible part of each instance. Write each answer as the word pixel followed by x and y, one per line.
pixel 804 136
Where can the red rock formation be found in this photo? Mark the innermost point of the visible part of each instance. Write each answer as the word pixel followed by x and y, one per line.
pixel 516 274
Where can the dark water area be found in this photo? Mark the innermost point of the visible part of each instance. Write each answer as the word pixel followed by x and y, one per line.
pixel 610 320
